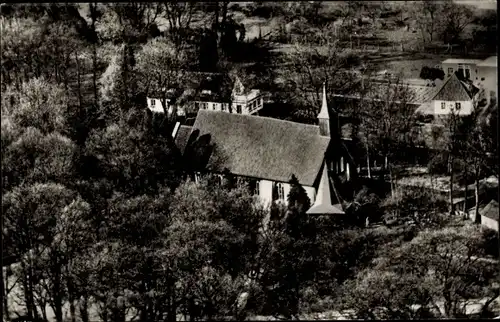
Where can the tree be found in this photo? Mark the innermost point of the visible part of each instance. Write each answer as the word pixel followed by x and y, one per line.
pixel 457 17
pixel 129 23
pixel 35 157
pixel 307 70
pixel 387 119
pixel 134 160
pixel 427 14
pixel 445 266
pixel 418 205
pixel 297 197
pixel 214 231
pixel 30 215
pixel 162 68
pixel 179 16
pixel 474 148
pixel 431 73
pixel 38 104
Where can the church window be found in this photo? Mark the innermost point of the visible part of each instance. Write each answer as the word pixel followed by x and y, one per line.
pixel 281 191
pixel 341 164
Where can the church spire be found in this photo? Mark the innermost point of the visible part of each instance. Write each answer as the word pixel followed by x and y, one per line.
pixel 324 205
pixel 324 116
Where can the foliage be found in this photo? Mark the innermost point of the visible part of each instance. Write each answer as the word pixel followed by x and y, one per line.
pixel 134 160
pixel 418 205
pixel 431 73
pixel 437 271
pixel 297 197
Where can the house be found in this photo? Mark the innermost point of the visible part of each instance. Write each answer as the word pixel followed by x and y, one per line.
pixel 454 95
pixel 466 67
pixel 483 73
pixel 487 75
pixel 489 215
pixel 267 152
pixel 167 99
pixel 214 91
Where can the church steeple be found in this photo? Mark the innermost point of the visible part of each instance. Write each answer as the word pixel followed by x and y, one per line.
pixel 324 116
pixel 325 203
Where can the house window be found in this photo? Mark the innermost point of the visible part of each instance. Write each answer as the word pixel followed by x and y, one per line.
pixel 257 188
pixel 457 105
pixel 238 109
pixel 153 102
pixel 450 71
pixel 482 78
pixel 467 73
pixel 443 105
pixel 281 191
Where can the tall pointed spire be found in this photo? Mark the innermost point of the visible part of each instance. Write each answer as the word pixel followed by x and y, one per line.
pixel 323 114
pixel 324 205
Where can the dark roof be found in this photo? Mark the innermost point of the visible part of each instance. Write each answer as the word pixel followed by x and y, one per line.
pixel 262 147
pixel 182 136
pixel 491 210
pixel 453 90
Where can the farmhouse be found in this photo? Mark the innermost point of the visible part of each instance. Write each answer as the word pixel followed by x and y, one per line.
pixel 267 152
pixel 216 92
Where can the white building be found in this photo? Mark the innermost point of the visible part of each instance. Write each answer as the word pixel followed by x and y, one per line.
pixel 269 151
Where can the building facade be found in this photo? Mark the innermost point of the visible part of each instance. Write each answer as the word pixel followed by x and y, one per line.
pixel 268 152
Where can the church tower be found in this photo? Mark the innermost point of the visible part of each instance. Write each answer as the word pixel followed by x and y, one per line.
pixel 327 127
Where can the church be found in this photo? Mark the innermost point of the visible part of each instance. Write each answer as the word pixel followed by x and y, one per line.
pixel 267 152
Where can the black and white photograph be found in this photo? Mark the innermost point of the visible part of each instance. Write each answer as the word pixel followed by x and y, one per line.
pixel 249 161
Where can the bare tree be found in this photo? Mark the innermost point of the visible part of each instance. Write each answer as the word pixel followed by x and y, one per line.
pixel 180 16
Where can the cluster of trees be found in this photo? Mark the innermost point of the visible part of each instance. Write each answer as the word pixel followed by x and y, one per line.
pixel 99 213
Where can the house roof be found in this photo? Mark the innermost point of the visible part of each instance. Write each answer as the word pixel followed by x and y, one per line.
pixel 453 90
pixel 491 210
pixel 461 61
pixel 489 62
pixel 262 147
pixel 324 203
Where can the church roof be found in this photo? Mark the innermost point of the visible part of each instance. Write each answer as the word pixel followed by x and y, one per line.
pixel 453 90
pixel 324 203
pixel 262 147
pixel 182 136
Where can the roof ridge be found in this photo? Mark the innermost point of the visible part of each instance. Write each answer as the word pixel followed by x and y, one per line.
pixel 272 119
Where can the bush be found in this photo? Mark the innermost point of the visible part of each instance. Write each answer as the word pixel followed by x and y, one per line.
pixel 490 242
pixel 431 73
pixel 438 164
